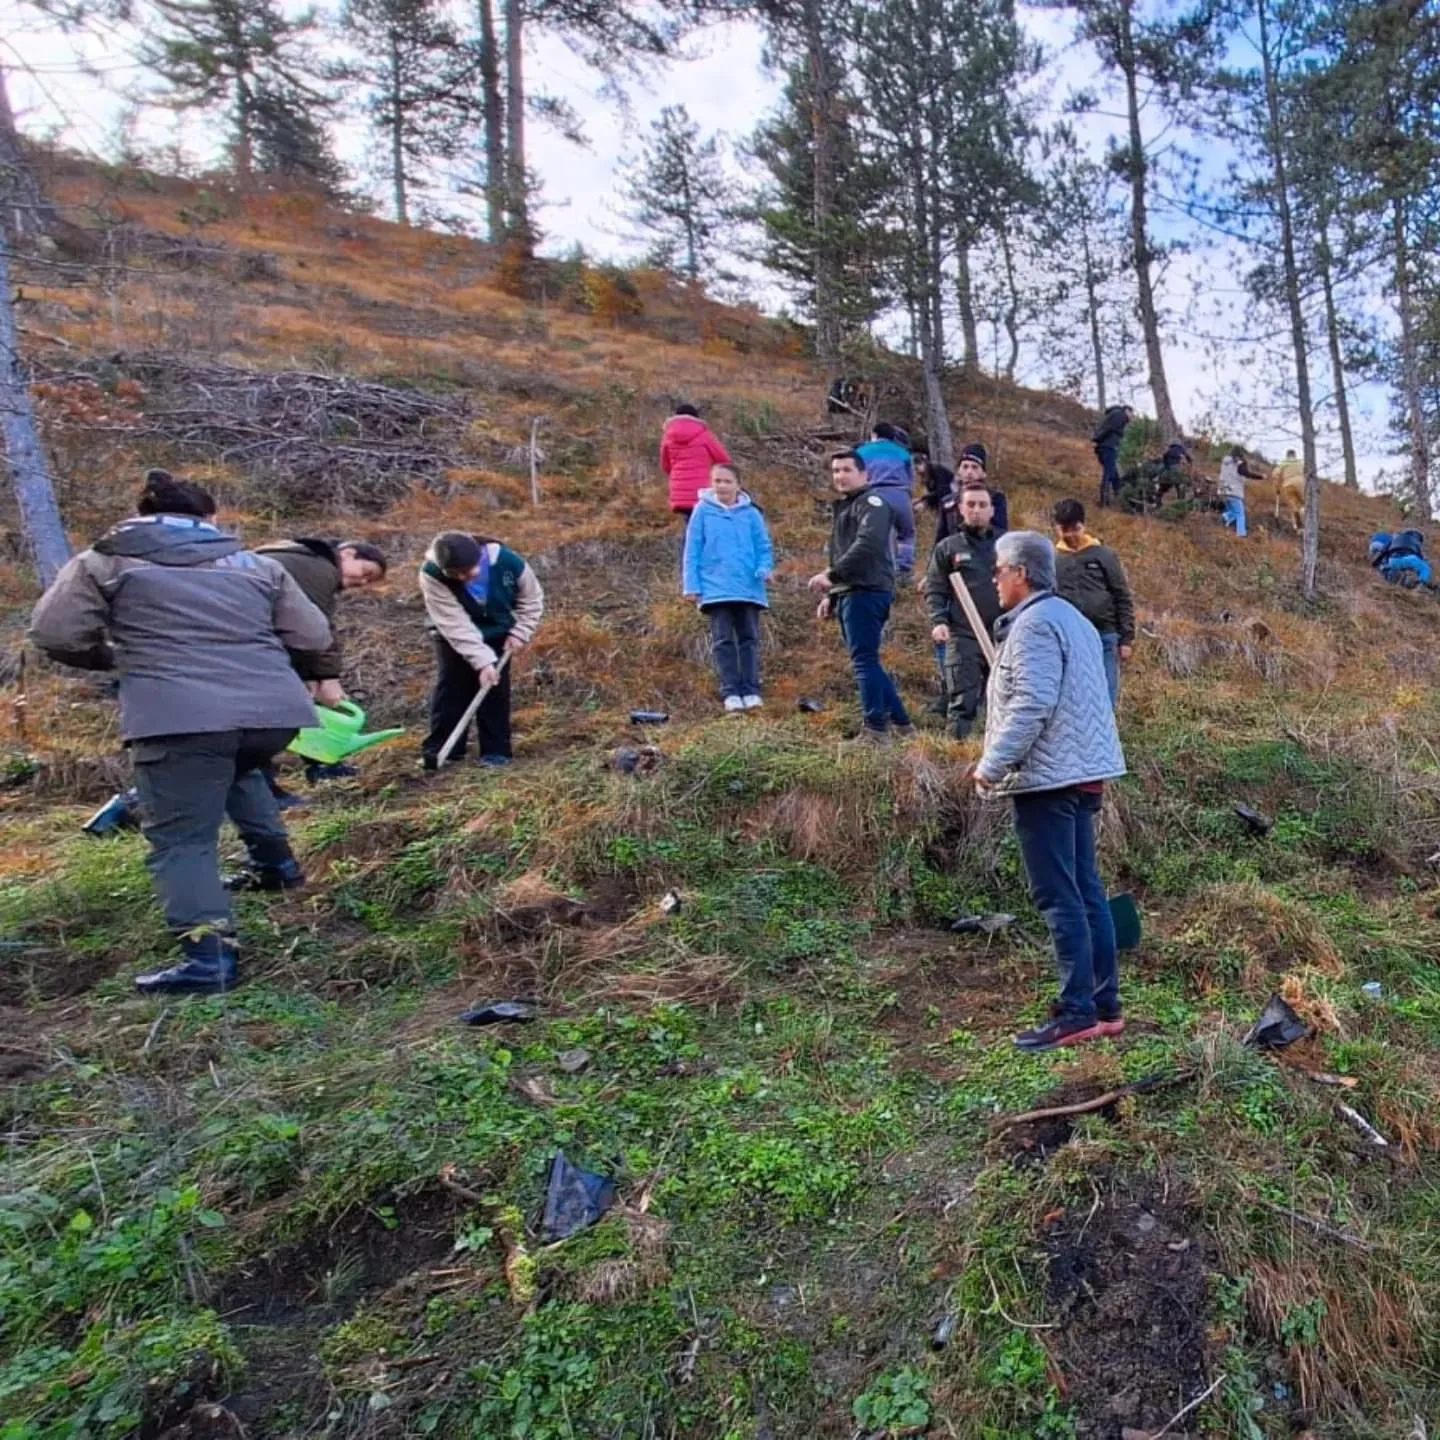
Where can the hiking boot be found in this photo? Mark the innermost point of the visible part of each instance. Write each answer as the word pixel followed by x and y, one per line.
pixel 209 966
pixel 903 732
pixel 429 764
pixel 753 702
pixel 316 773
pixel 869 739
pixel 286 875
pixel 959 729
pixel 1057 1032
pixel 940 705
pixel 734 705
pixel 494 762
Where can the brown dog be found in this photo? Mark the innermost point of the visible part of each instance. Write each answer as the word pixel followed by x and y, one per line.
pixel 1289 478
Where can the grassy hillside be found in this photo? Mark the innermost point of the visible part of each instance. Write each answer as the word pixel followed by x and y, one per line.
pixel 312 1207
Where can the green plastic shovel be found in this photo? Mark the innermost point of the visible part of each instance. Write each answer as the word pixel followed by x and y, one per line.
pixel 338 735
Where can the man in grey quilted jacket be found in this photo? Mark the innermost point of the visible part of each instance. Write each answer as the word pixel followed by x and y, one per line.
pixel 1050 745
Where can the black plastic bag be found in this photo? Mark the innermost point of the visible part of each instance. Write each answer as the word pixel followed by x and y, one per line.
pixel 574 1199
pixel 1277 1027
pixel 500 1012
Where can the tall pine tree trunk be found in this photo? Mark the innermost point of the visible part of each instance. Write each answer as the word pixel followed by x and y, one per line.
pixel 965 300
pixel 929 207
pixel 1337 358
pixel 1012 308
pixel 40 521
pixel 1310 544
pixel 1140 233
pixel 1410 363
pixel 823 85
pixel 494 108
pixel 1092 310
pixel 517 200
pixel 397 133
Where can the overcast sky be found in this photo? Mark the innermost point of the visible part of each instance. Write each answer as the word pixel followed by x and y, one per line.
pixel 1218 365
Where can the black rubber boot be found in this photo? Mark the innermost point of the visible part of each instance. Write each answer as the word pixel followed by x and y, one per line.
pixel 210 966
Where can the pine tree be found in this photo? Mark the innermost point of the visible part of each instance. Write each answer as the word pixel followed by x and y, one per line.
pixel 679 195
pixel 292 142
pixel 234 54
pixel 421 78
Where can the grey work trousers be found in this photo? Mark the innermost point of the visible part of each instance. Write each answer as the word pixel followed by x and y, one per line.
pixel 188 784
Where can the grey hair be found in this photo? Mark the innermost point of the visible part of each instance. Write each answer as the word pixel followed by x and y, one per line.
pixel 1030 551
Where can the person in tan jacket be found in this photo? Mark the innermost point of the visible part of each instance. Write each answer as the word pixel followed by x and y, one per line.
pixel 483 602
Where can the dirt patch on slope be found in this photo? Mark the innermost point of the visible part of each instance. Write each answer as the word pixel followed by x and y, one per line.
pixel 1128 1280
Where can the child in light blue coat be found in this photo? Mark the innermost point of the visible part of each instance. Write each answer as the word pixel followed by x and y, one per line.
pixel 728 559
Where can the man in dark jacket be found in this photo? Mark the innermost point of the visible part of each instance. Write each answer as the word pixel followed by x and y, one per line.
pixel 859 587
pixel 974 469
pixel 1106 439
pixel 199 631
pixel 1090 576
pixel 970 554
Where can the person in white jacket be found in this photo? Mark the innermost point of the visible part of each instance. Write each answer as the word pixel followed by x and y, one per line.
pixel 483 602
pixel 1234 472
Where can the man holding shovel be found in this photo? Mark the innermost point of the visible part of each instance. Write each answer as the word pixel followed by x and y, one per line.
pixel 969 556
pixel 484 604
pixel 1050 745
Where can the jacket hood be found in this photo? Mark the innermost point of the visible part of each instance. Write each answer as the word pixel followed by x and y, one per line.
pixel 1088 543
pixel 684 427
pixel 168 540
pixel 883 450
pixel 302 545
pixel 707 497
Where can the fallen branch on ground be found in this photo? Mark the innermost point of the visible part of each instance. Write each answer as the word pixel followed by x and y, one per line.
pixel 1084 1107
pixel 1318 1226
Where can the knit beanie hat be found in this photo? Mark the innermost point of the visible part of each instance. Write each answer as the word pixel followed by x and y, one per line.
pixel 978 454
pixel 456 553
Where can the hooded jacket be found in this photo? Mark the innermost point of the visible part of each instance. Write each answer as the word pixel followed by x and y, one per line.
pixel 474 617
pixel 1049 723
pixel 890 472
pixel 688 448
pixel 728 554
pixel 1092 579
pixel 1233 475
pixel 1111 429
pixel 314 565
pixel 969 554
pixel 861 552
pixel 197 626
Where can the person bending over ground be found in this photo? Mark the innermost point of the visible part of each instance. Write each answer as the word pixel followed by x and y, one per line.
pixel 728 559
pixel 200 632
pixel 483 601
pixel 1050 745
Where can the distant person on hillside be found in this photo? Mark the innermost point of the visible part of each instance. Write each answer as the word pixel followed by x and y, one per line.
pixel 1106 439
pixel 936 481
pixel 728 559
pixel 890 474
pixel 688 449
pixel 323 570
pixel 201 633
pixel 970 554
pixel 974 469
pixel 1090 576
pixel 1234 472
pixel 859 588
pixel 482 601
pixel 1050 744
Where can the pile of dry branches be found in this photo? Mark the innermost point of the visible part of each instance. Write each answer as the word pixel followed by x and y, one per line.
pixel 315 442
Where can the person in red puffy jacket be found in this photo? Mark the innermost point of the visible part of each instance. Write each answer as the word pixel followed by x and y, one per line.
pixel 688 449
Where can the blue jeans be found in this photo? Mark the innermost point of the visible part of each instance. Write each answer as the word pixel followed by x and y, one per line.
pixel 1110 642
pixel 1109 458
pixel 1235 514
pixel 862 615
pixel 1057 839
pixel 735 646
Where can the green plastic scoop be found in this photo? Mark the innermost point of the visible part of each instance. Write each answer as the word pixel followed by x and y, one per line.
pixel 338 735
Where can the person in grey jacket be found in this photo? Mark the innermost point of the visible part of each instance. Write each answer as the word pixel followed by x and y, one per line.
pixel 1050 745
pixel 199 631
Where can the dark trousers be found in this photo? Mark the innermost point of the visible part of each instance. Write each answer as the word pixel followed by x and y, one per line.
pixel 456 685
pixel 1109 458
pixel 863 614
pixel 1057 839
pixel 735 646
pixel 965 675
pixel 188 784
